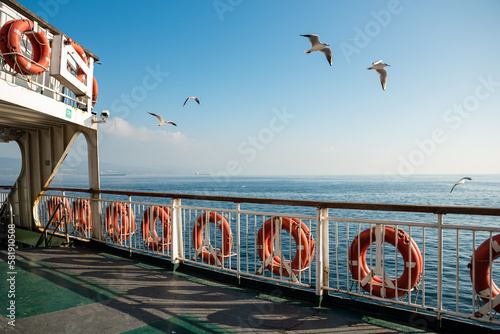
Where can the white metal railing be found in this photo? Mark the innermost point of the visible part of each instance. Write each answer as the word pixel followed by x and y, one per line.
pixel 43 83
pixel 3 195
pixel 421 265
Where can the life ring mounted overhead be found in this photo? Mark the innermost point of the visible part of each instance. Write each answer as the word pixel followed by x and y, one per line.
pixel 81 76
pixel 11 37
pixel 26 49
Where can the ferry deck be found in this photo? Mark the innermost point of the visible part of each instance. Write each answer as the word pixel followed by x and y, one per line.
pixel 93 260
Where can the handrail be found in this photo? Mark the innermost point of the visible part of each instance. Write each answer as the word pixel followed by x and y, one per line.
pixel 435 209
pixel 64 217
pixel 6 205
pixel 6 212
pixel 3 208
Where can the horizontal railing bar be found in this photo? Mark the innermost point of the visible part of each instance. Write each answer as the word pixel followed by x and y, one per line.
pixel 248 274
pixel 471 228
pixel 46 88
pixel 134 203
pixel 434 209
pixel 245 212
pixel 377 221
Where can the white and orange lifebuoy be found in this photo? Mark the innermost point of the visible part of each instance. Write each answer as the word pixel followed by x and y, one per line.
pixel 304 245
pixel 81 215
pixel 406 246
pixel 58 211
pixel 148 223
pixel 81 74
pixel 123 229
pixel 197 237
pixel 10 45
pixel 480 272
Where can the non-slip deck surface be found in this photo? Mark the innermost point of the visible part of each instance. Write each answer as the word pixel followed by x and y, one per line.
pixel 77 290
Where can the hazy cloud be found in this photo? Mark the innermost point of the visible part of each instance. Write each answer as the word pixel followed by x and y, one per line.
pixel 121 142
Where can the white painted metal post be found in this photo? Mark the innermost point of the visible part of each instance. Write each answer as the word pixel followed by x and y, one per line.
pixel 94 183
pixel 322 252
pixel 238 238
pixel 440 265
pixel 129 214
pixel 177 246
pixel 378 250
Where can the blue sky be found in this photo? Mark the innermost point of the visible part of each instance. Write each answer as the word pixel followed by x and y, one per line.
pixel 268 108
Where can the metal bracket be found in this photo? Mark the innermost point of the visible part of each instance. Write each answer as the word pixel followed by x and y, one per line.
pixel 379 268
pixel 277 251
pixel 210 248
pixel 486 307
pixel 64 56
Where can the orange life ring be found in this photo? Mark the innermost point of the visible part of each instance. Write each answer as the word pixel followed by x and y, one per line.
pixel 52 204
pixel 149 235
pixel 300 233
pixel 81 75
pixel 11 35
pixel 79 49
pixel 481 275
pixel 123 230
pixel 81 215
pixel 4 47
pixel 227 237
pixel 406 246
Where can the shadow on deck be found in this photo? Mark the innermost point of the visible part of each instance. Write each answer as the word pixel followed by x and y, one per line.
pixel 82 290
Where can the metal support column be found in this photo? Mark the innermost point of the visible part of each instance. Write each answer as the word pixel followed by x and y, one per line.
pixel 177 245
pixel 322 253
pixel 94 183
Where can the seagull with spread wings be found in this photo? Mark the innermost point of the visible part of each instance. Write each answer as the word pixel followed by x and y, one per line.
pixel 316 45
pixel 192 98
pixel 162 122
pixel 461 181
pixel 379 67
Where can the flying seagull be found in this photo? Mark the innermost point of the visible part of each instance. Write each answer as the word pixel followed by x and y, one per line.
pixel 461 181
pixel 379 67
pixel 162 122
pixel 318 46
pixel 192 98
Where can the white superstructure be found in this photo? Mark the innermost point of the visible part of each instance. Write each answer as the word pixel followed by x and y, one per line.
pixel 43 113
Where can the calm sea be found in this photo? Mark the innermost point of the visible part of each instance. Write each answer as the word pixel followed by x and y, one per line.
pixel 482 190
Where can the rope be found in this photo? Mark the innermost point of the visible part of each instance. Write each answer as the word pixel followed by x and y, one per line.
pixel 28 59
pixel 34 34
pixel 25 46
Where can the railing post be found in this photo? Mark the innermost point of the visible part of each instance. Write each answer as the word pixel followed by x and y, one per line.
pixel 129 213
pixel 96 212
pixel 238 256
pixel 322 253
pixel 66 216
pixel 177 245
pixel 440 266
